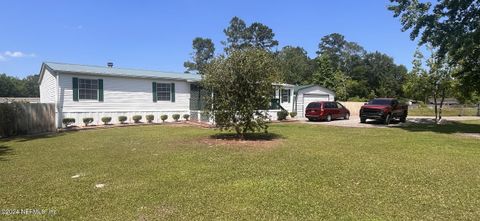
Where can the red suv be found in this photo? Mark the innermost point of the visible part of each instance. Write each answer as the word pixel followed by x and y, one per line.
pixel 326 110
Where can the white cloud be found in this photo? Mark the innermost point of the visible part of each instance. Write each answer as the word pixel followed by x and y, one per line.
pixel 14 54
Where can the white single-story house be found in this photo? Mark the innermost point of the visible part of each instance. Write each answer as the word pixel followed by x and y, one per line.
pixel 80 91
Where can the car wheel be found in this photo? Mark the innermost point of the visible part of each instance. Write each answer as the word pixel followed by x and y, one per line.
pixel 387 119
pixel 403 119
pixel 347 116
pixel 310 119
pixel 363 120
pixel 329 118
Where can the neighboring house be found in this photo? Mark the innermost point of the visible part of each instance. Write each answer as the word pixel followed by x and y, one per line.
pixel 309 93
pixel 20 99
pixel 80 91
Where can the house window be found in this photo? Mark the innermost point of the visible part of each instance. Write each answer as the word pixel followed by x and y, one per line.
pixel 87 89
pixel 163 92
pixel 286 95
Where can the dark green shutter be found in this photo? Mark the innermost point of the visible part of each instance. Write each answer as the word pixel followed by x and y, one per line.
pixel 289 95
pixel 100 89
pixel 75 88
pixel 173 92
pixel 281 95
pixel 154 91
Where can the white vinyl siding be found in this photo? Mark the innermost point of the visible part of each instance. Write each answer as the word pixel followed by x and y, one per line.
pixel 122 94
pixel 48 87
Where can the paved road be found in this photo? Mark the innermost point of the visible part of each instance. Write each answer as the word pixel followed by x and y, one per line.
pixel 355 121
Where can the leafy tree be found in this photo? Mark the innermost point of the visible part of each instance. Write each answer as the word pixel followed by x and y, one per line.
pixel 260 36
pixel 236 35
pixel 204 50
pixel 9 86
pixel 383 76
pixel 324 72
pixel 341 83
pixel 241 83
pixel 416 85
pixel 239 36
pixel 357 89
pixel 295 65
pixel 14 87
pixel 344 55
pixel 451 26
pixel 441 82
pixel 31 86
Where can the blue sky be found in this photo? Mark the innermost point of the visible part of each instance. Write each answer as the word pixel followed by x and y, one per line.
pixel 158 34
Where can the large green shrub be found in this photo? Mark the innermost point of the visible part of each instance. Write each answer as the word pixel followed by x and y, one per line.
pixel 282 115
pixel 150 118
pixel 106 120
pixel 87 120
pixel 137 118
pixel 176 117
pixel 242 83
pixel 68 121
pixel 122 119
pixel 186 116
pixel 164 117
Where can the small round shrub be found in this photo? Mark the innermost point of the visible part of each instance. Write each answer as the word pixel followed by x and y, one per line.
pixel 106 120
pixel 122 119
pixel 186 116
pixel 87 120
pixel 150 118
pixel 137 118
pixel 282 115
pixel 164 117
pixel 176 117
pixel 293 114
pixel 68 121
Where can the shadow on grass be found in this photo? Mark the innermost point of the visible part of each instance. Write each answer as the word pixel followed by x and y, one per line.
pixel 249 136
pixel 448 128
pixel 4 150
pixel 25 138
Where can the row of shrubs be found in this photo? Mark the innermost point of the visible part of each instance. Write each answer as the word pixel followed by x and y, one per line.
pixel 136 118
pixel 282 115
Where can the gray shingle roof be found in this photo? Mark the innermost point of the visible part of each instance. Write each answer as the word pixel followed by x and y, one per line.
pixel 119 72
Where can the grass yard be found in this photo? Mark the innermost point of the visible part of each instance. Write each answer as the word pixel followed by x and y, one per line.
pixel 425 111
pixel 314 172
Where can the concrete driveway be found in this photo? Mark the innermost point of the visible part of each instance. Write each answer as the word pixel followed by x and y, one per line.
pixel 355 121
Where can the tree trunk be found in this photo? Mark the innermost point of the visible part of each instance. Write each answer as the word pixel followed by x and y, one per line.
pixel 441 105
pixel 436 110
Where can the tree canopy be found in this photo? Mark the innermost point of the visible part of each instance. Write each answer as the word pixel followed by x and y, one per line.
pixel 14 87
pixel 256 35
pixel 451 26
pixel 242 84
pixel 203 52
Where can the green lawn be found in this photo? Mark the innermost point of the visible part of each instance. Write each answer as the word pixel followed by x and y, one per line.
pixel 314 172
pixel 425 111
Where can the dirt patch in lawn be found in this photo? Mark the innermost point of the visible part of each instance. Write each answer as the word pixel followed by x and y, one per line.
pixel 251 141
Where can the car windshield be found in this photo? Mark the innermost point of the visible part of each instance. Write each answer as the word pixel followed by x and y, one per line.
pixel 380 102
pixel 313 105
